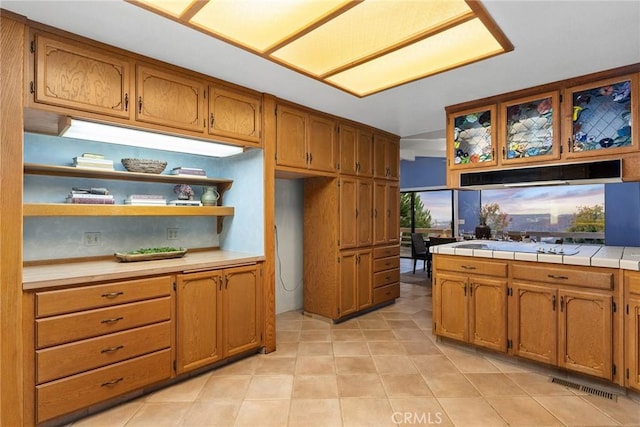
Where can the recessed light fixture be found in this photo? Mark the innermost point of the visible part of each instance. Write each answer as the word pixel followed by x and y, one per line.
pixel 362 47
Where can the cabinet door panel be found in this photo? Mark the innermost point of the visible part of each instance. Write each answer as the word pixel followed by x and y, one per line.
pixel 348 212
pixel 392 227
pixel 234 114
pixel 393 159
pixel 347 295
pixel 365 153
pixel 380 157
pixel 348 150
pixel 471 138
pixel 365 212
pixel 633 343
pixel 365 285
pixel 322 143
pixel 169 99
pixel 451 312
pixel 379 212
pixel 291 130
pixel 488 313
pixel 585 331
pixel 241 310
pixel 534 322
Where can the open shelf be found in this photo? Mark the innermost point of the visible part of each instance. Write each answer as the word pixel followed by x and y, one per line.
pixel 73 209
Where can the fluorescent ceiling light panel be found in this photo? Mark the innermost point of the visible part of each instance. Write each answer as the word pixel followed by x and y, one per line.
pixel 91 131
pixel 362 46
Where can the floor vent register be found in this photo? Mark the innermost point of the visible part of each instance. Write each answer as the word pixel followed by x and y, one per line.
pixel 587 389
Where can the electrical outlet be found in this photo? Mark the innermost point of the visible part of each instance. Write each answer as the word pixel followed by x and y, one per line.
pixel 92 238
pixel 172 234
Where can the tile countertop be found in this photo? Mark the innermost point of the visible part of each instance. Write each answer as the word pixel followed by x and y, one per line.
pixel 624 257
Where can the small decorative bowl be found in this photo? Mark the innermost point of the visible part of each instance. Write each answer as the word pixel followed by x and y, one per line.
pixel 144 165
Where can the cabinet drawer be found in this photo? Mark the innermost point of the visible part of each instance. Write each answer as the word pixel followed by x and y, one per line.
pixel 79 391
pixel 68 359
pixel 386 293
pixel 388 263
pixel 633 282
pixel 386 251
pixel 83 298
pixel 585 277
pixel 471 265
pixel 386 277
pixel 86 324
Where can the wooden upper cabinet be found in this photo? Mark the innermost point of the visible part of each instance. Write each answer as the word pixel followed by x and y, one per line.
pixel 291 136
pixel 322 143
pixel 386 157
pixel 169 99
pixel 235 114
pixel 80 77
pixel 471 137
pixel 598 117
pixel 529 128
pixel 348 212
pixel 356 151
pixel 365 153
pixel 364 212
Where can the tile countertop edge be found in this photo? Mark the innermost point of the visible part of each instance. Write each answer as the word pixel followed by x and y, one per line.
pixel 88 272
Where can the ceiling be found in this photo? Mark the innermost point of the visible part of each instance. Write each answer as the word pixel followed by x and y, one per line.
pixel 553 40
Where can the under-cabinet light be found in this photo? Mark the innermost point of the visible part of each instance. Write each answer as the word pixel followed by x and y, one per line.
pixel 80 129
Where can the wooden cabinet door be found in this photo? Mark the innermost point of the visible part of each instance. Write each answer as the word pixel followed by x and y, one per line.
pixel 393 159
pixel 471 138
pixel 170 100
pixel 633 341
pixel 379 212
pixel 81 77
pixel 585 333
pixel 241 309
pixel 291 136
pixel 322 143
pixel 235 114
pixel 451 307
pixel 488 313
pixel 534 322
pixel 347 291
pixel 364 279
pixel 364 212
pixel 365 153
pixel 348 205
pixel 348 138
pixel 380 157
pixel 198 324
pixel 392 220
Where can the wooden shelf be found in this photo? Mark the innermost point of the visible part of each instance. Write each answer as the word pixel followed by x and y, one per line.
pixel 73 209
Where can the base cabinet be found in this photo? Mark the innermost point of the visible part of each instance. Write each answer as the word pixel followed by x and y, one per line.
pixel 632 329
pixel 356 291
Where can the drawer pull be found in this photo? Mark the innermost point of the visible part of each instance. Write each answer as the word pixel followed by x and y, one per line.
pixel 112 382
pixel 112 349
pixel 553 276
pixel 468 267
pixel 112 294
pixel 113 320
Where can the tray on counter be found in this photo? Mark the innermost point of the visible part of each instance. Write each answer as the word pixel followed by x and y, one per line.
pixel 128 257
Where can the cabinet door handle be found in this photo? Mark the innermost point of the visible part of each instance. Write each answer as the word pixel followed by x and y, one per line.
pixel 212 119
pixel 310 158
pixel 112 382
pixel 126 102
pixel 465 290
pixel 569 145
pixel 112 320
pixel 504 153
pixel 111 295
pixel 467 267
pixel 375 213
pixel 470 289
pixel 553 303
pixel 561 304
pixel 112 349
pixel 139 105
pixel 553 276
pixel 307 154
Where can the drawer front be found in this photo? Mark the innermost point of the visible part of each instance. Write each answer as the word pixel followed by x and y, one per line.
pixel 86 324
pixel 386 277
pixel 50 303
pixel 585 277
pixel 633 282
pixel 388 263
pixel 79 391
pixel 471 266
pixel 68 359
pixel 386 293
pixel 386 251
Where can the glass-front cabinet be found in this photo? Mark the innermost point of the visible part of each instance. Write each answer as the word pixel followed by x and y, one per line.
pixel 471 138
pixel 598 117
pixel 529 128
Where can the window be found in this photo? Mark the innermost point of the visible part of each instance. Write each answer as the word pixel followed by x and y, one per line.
pixel 429 212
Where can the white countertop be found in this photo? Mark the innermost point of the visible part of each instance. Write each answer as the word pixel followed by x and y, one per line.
pixel 627 258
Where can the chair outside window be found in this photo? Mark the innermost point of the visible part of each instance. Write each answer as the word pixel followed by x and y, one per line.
pixel 418 250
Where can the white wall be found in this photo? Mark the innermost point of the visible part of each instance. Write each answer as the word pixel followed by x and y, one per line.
pixel 289 266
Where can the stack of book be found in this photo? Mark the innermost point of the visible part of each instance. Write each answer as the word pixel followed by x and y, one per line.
pixel 95 161
pixel 146 200
pixel 88 198
pixel 179 202
pixel 188 171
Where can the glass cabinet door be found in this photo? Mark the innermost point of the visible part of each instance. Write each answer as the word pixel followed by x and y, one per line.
pixel 471 138
pixel 599 116
pixel 530 128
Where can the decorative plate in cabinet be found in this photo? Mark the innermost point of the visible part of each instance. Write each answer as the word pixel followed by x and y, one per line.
pixel 471 138
pixel 530 128
pixel 599 115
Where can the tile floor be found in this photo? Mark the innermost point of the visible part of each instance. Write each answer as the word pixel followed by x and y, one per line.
pixel 384 368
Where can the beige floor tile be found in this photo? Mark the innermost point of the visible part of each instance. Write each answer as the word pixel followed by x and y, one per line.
pixel 373 324
pixel 285 349
pixel 495 385
pixel 575 411
pixel 315 413
pixel 309 324
pixel 315 365
pixel 355 365
pixel 290 315
pixel 276 366
pixel 366 412
pixel 315 335
pixel 378 335
pixel 365 385
pixel 539 385
pixel 409 334
pixel 402 324
pixel 212 413
pixel 382 348
pixel 240 367
pixel 350 348
pixel 184 391
pixel 315 387
pixel 452 385
pixel 347 335
pixel 263 413
pixel 624 410
pixel 160 414
pixel 270 387
pixel 408 385
pixel 288 325
pixel 225 387
pixel 523 411
pixel 411 411
pixel 114 417
pixel 424 347
pixel 394 364
pixel 347 324
pixel 511 366
pixel 287 337
pixel 431 366
pixel 395 315
pixel 472 363
pixel 471 411
pixel 315 349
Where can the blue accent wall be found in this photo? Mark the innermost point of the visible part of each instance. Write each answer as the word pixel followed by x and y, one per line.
pixel 622 214
pixel 423 172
